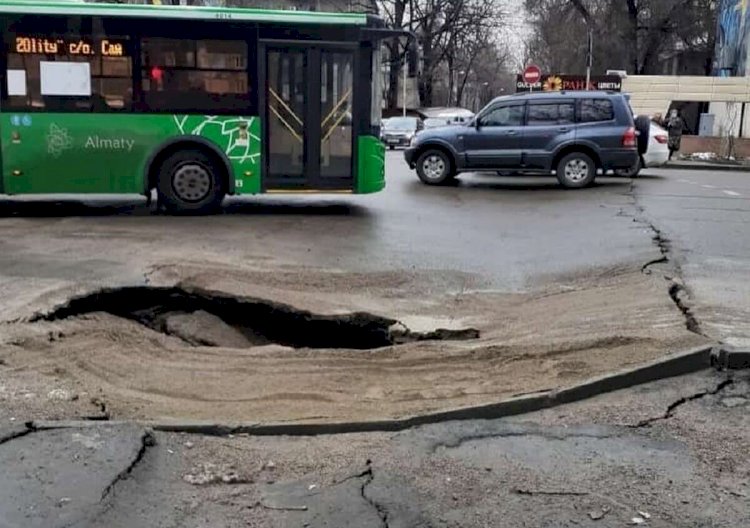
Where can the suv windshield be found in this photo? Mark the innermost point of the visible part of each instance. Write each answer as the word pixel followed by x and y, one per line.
pixel 401 123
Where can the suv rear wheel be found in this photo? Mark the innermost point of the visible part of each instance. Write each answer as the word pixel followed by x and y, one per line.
pixel 643 126
pixel 576 170
pixel 632 172
pixel 435 168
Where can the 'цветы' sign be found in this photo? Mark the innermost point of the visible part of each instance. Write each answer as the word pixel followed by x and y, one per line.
pixel 552 83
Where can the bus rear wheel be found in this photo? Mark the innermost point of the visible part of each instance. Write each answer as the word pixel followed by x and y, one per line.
pixel 190 182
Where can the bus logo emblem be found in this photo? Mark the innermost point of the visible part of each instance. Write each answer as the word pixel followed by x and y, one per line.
pixel 58 140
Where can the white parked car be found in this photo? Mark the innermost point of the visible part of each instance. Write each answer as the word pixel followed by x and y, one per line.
pixel 658 148
pixel 656 155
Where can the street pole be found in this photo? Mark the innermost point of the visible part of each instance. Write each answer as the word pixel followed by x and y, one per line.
pixel 413 46
pixel 583 10
pixel 403 88
pixel 589 54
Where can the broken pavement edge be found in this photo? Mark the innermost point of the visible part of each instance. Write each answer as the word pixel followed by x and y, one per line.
pixel 678 364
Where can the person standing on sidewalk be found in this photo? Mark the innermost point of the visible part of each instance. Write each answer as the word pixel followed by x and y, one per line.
pixel 675 127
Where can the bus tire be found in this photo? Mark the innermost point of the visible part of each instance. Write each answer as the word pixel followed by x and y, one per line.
pixel 190 181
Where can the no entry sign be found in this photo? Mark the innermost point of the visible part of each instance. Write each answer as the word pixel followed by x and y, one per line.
pixel 532 74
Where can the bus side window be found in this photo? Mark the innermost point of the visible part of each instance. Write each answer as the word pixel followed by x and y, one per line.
pixel 201 76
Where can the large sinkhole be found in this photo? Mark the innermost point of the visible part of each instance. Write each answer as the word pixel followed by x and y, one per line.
pixel 203 318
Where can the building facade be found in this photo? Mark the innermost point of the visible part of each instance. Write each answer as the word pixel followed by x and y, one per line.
pixel 732 38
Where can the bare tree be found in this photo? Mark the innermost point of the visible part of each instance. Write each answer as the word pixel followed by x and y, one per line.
pixel 628 34
pixel 395 14
pixel 480 61
pixel 727 130
pixel 444 27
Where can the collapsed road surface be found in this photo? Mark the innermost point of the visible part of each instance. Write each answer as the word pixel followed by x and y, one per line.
pixel 549 284
pixel 555 286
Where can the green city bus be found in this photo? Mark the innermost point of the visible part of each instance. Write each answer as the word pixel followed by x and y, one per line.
pixel 192 102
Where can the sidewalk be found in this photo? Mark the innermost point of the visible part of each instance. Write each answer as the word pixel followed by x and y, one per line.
pixel 737 166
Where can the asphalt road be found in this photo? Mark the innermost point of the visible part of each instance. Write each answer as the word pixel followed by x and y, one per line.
pixel 704 215
pixel 507 234
pixel 648 453
pixel 508 230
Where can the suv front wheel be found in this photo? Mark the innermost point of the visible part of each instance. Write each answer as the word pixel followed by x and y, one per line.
pixel 434 168
pixel 576 170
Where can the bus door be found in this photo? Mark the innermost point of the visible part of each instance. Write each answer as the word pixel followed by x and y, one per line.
pixel 308 125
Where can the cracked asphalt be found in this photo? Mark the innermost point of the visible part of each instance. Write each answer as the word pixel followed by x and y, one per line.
pixel 703 217
pixel 658 452
pixel 669 453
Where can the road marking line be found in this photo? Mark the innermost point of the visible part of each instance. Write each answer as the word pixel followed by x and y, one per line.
pixel 708 186
pixel 731 193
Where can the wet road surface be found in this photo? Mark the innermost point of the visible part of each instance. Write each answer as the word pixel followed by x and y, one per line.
pixel 508 230
pixel 502 234
pixel 705 216
pixel 600 462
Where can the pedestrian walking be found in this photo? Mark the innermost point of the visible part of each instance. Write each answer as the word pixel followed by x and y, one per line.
pixel 675 128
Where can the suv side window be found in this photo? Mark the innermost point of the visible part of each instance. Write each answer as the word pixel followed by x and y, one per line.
pixel 595 110
pixel 541 114
pixel 503 116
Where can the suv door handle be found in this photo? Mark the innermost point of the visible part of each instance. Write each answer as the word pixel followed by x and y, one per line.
pixel 564 129
pixel 512 132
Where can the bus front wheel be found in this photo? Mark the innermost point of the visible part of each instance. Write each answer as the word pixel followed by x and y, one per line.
pixel 190 182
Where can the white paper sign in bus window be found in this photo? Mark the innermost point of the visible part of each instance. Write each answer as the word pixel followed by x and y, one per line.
pixel 65 78
pixel 17 82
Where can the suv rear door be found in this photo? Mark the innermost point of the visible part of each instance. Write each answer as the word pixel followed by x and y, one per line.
pixel 549 123
pixel 496 140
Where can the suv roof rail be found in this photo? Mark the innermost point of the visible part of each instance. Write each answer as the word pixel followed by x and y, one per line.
pixel 579 93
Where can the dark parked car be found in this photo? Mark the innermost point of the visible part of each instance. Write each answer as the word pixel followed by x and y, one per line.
pixel 574 134
pixel 399 131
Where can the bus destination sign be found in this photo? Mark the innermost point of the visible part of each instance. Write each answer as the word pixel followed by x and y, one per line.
pixel 69 46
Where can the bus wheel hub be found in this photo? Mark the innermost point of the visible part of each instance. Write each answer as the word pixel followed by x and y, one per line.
pixel 191 182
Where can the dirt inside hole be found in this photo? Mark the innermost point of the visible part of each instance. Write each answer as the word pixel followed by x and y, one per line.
pixel 203 318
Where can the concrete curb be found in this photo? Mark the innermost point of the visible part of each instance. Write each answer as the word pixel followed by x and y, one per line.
pixel 705 167
pixel 674 365
pixel 730 358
